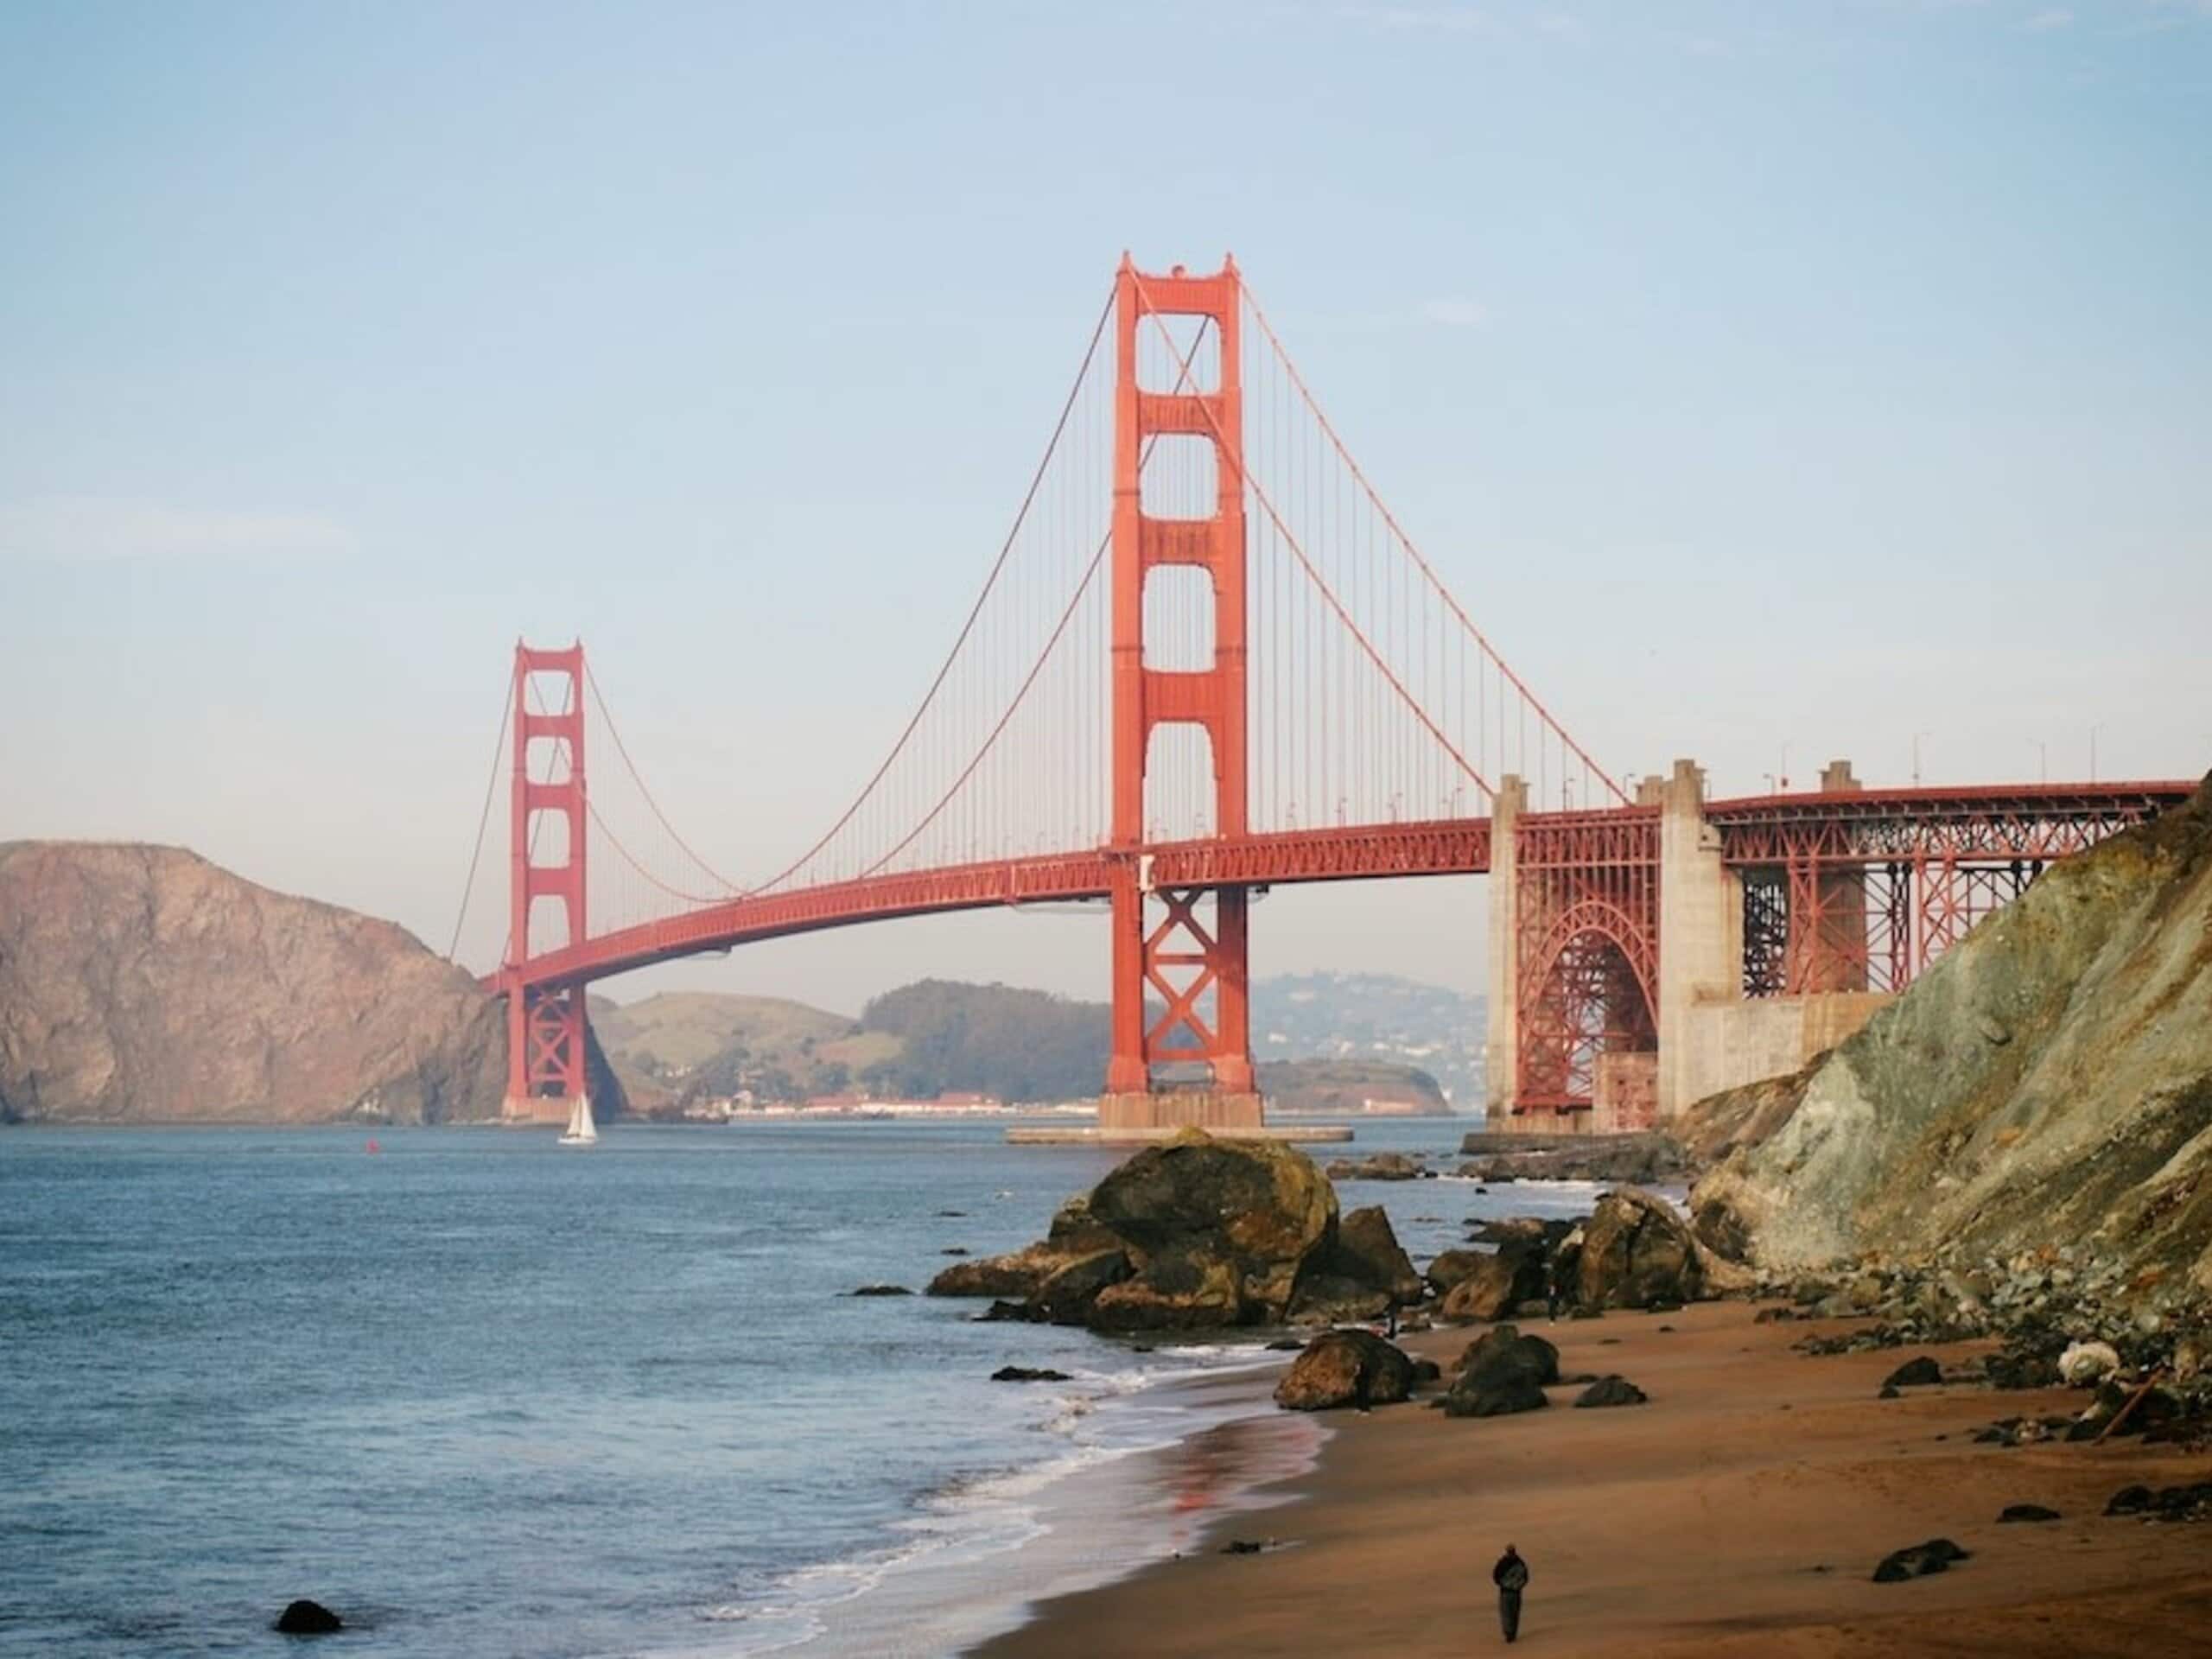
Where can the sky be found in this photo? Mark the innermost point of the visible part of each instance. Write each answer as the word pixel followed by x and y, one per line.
pixel 1772 382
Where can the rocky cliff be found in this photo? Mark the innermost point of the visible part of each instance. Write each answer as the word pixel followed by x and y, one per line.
pixel 2046 1087
pixel 144 984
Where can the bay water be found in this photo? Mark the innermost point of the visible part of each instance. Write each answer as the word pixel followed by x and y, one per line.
pixel 485 1395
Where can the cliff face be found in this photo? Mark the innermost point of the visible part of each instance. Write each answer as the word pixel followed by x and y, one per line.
pixel 144 984
pixel 2047 1084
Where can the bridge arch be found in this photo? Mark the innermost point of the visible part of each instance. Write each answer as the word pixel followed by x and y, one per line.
pixel 1589 988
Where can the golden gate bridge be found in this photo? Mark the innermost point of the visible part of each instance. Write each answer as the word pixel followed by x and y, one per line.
pixel 1207 660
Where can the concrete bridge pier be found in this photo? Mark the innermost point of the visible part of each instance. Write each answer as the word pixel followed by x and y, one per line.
pixel 1618 959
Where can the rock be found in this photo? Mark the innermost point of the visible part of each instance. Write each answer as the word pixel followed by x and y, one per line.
pixel 1175 1293
pixel 1243 1547
pixel 1002 1311
pixel 2086 1362
pixel 1025 1374
pixel 1917 1373
pixel 1636 1250
pixel 308 1618
pixel 1504 1353
pixel 2129 1500
pixel 1495 1399
pixel 1217 1232
pixel 144 984
pixel 1068 1296
pixel 1362 1273
pixel 1493 1288
pixel 1427 1370
pixel 1451 1266
pixel 1888 1391
pixel 1337 1364
pixel 1919 1560
pixel 2027 1512
pixel 1381 1166
pixel 1286 1344
pixel 1072 1237
pixel 1612 1391
pixel 953 1250
pixel 1639 1159
pixel 883 1290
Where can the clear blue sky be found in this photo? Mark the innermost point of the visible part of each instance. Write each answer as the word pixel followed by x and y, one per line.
pixel 1760 375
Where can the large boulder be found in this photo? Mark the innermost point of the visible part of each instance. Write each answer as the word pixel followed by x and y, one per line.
pixel 1502 1371
pixel 1496 1282
pixel 1636 1250
pixel 1335 1366
pixel 1191 1234
pixel 1217 1231
pixel 1451 1266
pixel 1361 1274
pixel 1505 1354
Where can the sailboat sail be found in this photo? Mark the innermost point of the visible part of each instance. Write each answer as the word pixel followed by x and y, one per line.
pixel 582 1131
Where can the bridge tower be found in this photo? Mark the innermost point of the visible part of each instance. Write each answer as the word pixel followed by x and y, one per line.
pixel 1188 955
pixel 545 1025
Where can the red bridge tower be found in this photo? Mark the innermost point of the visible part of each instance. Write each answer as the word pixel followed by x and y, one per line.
pixel 1193 1063
pixel 545 1023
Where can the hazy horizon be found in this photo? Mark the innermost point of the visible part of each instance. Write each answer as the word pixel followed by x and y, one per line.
pixel 1771 385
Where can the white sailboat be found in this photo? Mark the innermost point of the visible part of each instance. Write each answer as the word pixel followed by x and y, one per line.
pixel 582 1131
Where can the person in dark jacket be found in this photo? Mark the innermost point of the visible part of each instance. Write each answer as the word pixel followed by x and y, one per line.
pixel 1511 1576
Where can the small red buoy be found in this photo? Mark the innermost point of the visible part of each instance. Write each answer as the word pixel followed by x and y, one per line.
pixel 374 1148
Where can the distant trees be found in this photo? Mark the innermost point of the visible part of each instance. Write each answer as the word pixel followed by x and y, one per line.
pixel 988 1039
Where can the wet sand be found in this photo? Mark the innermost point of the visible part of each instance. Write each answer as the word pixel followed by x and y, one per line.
pixel 1740 1513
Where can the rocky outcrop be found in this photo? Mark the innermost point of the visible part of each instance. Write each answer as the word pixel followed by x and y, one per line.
pixel 1648 1159
pixel 1381 1166
pixel 2045 1085
pixel 1191 1234
pixel 1636 1250
pixel 143 984
pixel 1345 1367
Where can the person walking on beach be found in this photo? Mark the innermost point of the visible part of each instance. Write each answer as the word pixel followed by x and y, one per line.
pixel 1511 1576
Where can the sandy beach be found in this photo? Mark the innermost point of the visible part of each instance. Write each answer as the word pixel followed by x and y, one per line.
pixel 1741 1512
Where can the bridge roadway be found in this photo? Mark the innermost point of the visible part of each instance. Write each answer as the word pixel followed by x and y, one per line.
pixel 2029 822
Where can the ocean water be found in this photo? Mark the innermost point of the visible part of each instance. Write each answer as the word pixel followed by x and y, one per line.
pixel 489 1396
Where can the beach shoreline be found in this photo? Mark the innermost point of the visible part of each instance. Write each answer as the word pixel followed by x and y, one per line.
pixel 1741 1512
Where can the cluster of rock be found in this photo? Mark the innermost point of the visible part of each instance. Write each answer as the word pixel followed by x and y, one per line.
pixel 1643 1159
pixel 2063 1316
pixel 1198 1233
pixel 1381 1166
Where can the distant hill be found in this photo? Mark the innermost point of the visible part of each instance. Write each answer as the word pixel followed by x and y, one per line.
pixel 680 1046
pixel 1374 1017
pixel 936 1036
